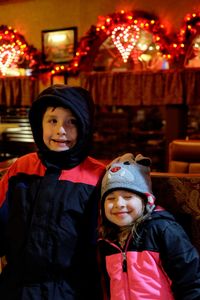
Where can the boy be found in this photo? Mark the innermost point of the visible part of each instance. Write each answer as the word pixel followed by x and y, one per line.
pixel 48 204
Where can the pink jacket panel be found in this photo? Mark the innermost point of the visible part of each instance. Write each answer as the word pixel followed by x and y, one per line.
pixel 145 278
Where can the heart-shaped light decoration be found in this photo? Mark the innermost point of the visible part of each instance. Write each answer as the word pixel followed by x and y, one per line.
pixel 125 38
pixel 8 56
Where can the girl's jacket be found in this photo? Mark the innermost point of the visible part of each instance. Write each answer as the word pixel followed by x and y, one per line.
pixel 161 264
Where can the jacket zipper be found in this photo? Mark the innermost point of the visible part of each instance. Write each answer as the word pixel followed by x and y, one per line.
pixel 124 262
pixel 124 258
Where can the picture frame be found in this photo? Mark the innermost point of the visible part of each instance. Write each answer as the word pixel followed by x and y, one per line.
pixel 59 45
pixel 58 79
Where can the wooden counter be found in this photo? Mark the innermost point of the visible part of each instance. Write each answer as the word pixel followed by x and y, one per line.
pixel 166 87
pixel 18 91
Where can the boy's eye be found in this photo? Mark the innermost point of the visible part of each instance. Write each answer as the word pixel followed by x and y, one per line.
pixel 53 121
pixel 71 122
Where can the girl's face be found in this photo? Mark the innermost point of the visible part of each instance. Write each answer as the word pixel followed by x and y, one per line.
pixel 59 129
pixel 123 207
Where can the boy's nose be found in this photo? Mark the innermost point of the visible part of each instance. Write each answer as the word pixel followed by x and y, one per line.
pixel 61 129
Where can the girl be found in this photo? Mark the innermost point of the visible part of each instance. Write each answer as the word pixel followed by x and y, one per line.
pixel 145 253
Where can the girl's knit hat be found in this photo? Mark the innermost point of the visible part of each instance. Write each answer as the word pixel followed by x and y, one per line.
pixel 130 174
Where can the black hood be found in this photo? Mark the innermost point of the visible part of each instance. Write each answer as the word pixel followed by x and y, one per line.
pixel 81 104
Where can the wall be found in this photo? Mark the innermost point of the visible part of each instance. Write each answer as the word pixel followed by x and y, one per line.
pixel 30 17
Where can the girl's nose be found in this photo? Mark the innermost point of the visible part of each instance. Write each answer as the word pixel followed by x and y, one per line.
pixel 119 202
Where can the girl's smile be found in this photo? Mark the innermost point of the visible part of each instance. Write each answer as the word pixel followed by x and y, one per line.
pixel 123 207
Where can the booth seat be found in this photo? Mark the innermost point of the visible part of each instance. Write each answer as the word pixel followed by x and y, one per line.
pixel 184 156
pixel 179 194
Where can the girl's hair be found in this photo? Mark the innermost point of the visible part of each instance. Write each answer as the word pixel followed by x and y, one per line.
pixel 109 230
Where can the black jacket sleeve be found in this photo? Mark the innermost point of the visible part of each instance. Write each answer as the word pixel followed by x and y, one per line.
pixel 181 261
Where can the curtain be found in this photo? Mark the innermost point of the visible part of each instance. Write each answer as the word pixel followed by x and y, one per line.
pixel 143 88
pixel 18 91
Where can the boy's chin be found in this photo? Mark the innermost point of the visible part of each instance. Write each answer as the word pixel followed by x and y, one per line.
pixel 61 149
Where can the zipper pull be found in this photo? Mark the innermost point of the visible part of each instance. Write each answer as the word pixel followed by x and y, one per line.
pixel 124 262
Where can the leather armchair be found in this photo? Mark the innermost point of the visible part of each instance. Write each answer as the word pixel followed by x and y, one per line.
pixel 184 156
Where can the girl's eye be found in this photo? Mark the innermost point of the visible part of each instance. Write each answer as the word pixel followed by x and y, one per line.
pixel 127 197
pixel 110 198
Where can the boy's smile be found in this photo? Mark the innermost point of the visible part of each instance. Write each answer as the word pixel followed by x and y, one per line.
pixel 59 129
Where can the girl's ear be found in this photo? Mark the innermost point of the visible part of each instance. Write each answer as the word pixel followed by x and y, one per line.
pixel 142 160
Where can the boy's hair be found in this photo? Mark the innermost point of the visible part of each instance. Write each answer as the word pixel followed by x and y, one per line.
pixel 132 175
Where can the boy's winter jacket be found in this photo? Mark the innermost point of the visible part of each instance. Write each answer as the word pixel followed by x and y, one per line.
pixel 159 263
pixel 49 210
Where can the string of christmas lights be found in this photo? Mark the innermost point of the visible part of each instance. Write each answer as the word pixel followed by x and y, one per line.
pixel 14 50
pixel 172 47
pixel 130 23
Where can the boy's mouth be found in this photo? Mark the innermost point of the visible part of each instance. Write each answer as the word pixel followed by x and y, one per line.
pixel 61 142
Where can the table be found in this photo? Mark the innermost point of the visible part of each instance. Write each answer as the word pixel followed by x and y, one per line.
pixel 5 126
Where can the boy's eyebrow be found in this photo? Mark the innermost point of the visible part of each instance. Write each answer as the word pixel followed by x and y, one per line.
pixel 50 115
pixel 55 115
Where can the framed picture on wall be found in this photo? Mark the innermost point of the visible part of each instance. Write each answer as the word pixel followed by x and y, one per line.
pixel 58 79
pixel 59 45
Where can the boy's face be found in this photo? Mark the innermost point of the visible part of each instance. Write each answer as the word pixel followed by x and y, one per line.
pixel 59 129
pixel 123 207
